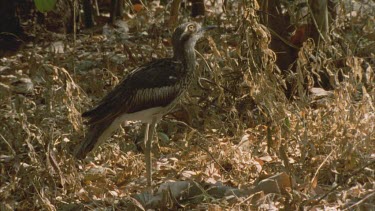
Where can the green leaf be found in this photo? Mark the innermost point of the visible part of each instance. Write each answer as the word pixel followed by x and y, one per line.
pixel 163 137
pixel 45 5
pixel 287 122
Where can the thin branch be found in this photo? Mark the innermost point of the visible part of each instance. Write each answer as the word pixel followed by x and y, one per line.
pixel 201 136
pixel 337 186
pixel 320 166
pixel 360 201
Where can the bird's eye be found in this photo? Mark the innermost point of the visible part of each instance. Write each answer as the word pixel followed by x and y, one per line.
pixel 191 28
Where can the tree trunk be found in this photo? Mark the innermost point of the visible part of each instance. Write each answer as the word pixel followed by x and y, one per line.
pixel 9 22
pixel 88 13
pixel 197 8
pixel 117 10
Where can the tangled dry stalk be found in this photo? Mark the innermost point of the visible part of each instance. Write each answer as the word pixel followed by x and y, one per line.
pixel 236 141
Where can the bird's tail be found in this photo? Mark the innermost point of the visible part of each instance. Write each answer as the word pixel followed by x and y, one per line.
pixel 97 133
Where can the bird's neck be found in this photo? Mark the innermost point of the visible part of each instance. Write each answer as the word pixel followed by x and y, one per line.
pixel 186 56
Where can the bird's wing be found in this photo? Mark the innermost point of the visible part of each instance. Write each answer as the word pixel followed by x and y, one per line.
pixel 155 84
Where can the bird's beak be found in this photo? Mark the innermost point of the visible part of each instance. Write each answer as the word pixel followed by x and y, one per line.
pixel 207 28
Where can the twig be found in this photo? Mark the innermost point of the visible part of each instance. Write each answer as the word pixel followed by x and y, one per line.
pixel 334 188
pixel 174 13
pixel 201 136
pixel 10 146
pixel 360 201
pixel 128 51
pixel 205 61
pixel 320 166
pixel 282 39
pixel 315 23
pixel 211 82
pixel 144 6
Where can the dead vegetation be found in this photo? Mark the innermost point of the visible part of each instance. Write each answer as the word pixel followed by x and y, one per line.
pixel 236 142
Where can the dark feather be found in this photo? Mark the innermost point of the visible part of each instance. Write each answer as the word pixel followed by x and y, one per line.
pixel 91 139
pixel 156 84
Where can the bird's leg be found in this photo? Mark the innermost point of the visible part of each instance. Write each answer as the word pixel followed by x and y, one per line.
pixel 147 152
pixel 149 133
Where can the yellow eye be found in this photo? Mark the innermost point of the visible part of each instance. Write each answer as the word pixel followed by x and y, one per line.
pixel 191 28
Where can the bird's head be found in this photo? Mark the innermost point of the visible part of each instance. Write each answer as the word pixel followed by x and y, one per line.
pixel 186 35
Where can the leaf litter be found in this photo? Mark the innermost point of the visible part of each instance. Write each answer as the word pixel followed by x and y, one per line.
pixel 236 142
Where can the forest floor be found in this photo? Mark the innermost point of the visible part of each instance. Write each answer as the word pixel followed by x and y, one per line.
pixel 234 142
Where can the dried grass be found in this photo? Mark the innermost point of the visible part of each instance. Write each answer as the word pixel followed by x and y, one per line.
pixel 241 127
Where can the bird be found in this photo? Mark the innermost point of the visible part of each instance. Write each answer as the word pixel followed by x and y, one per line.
pixel 146 94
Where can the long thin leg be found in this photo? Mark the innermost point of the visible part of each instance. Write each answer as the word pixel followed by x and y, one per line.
pixel 147 153
pixel 148 142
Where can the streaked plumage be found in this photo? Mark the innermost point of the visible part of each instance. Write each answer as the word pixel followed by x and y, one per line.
pixel 146 93
pixel 152 85
pixel 144 88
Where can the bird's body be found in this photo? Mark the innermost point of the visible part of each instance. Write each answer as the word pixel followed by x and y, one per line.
pixel 146 93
